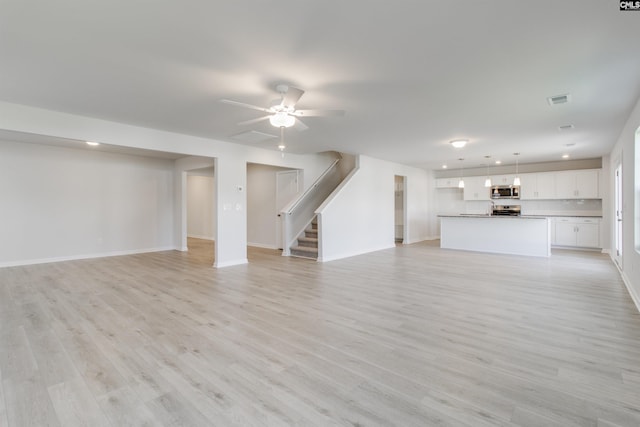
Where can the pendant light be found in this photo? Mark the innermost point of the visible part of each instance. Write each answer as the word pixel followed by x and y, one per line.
pixel 487 182
pixel 516 180
pixel 461 182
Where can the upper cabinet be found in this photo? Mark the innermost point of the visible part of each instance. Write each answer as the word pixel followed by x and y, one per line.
pixel 563 185
pixel 474 188
pixel 578 184
pixel 541 186
pixel 502 179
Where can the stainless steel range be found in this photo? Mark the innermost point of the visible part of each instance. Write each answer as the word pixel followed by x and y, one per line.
pixel 506 210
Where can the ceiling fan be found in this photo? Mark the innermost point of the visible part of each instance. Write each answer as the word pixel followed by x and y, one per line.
pixel 282 112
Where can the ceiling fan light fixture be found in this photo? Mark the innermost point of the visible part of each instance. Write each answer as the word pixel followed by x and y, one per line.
pixel 282 119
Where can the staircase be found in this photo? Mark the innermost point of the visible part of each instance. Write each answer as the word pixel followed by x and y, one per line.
pixel 307 246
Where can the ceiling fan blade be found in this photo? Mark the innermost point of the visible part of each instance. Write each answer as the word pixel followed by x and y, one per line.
pixel 292 96
pixel 259 119
pixel 319 113
pixel 242 104
pixel 300 126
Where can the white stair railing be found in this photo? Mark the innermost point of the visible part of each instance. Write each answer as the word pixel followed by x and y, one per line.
pixel 299 213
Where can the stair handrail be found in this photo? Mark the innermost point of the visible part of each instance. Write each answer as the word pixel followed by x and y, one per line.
pixel 311 188
pixel 296 216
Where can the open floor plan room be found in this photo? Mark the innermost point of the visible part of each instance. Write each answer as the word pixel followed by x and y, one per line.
pixel 410 336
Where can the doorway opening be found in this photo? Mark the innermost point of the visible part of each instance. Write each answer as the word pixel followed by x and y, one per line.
pixel 400 211
pixel 199 223
pixel 269 190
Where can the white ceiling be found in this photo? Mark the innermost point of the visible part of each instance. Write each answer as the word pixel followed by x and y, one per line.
pixel 412 75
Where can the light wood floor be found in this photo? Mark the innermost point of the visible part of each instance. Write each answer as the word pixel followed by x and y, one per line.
pixel 411 336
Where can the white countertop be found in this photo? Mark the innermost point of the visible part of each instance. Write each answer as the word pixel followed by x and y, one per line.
pixel 463 215
pixel 491 216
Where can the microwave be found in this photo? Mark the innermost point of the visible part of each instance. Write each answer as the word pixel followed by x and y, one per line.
pixel 505 192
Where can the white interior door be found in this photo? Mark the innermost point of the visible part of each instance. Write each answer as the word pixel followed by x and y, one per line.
pixel 617 255
pixel 287 187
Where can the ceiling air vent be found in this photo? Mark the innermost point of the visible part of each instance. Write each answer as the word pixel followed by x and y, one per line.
pixel 565 127
pixel 559 99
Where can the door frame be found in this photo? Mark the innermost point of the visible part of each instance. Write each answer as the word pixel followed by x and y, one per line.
pixel 618 239
pixel 280 175
pixel 403 189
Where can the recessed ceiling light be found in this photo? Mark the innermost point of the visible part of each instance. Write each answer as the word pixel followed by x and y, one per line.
pixel 444 166
pixel 565 156
pixel 498 162
pixel 459 143
pixel 570 144
pixel 92 143
pixel 565 127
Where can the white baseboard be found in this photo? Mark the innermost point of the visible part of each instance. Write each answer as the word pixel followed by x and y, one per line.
pixel 627 283
pixel 354 253
pixel 217 264
pixel 84 256
pixel 261 245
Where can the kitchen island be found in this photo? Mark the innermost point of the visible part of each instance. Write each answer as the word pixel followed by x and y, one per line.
pixel 517 235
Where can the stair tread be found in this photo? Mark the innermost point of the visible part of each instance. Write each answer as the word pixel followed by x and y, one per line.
pixel 307 239
pixel 305 249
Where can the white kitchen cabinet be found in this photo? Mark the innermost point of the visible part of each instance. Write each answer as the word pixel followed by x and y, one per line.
pixel 576 232
pixel 578 184
pixel 538 186
pixel 447 182
pixel 474 188
pixel 502 179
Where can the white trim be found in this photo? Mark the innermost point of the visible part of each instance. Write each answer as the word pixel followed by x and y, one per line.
pixel 198 236
pixel 634 297
pixel 87 256
pixel 261 245
pixel 230 263
pixel 356 253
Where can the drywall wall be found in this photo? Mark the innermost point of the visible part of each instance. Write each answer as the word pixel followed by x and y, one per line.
pixel 230 166
pixel 62 203
pixel 359 216
pixel 625 149
pixel 200 206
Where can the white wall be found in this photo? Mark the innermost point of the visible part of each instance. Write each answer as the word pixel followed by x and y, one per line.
pixel 625 148
pixel 230 170
pixel 62 203
pixel 200 206
pixel 359 216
